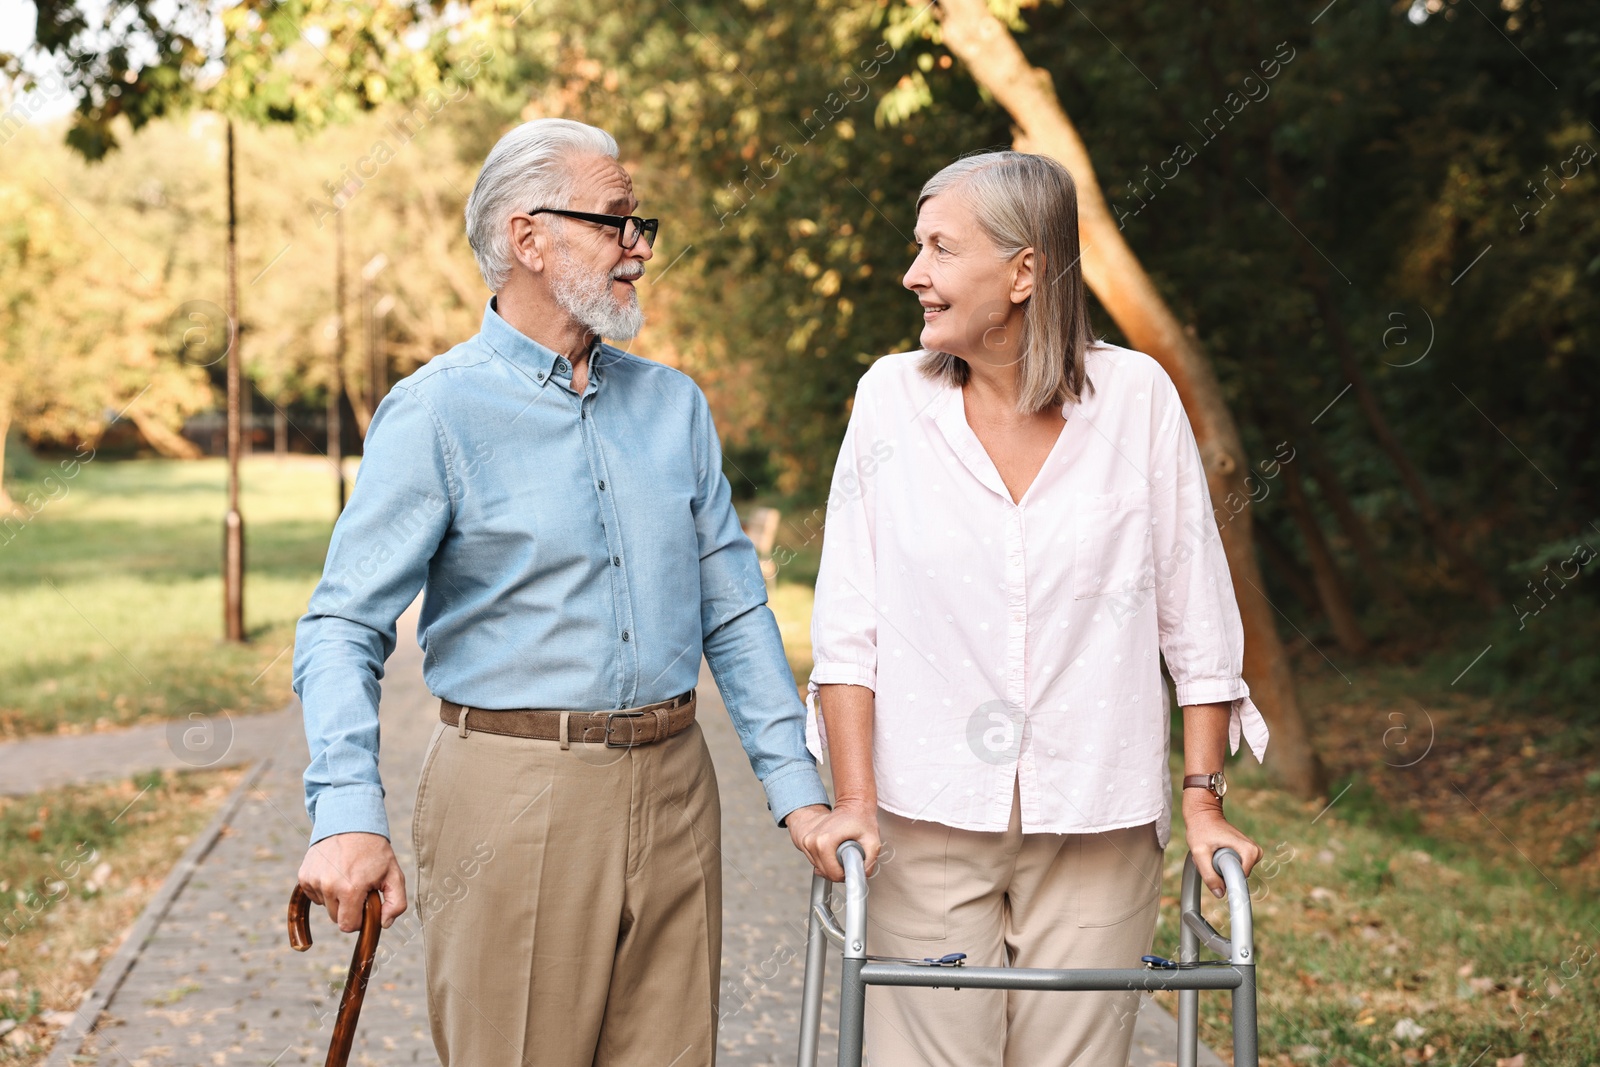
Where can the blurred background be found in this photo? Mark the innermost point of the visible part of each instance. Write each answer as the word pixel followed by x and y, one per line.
pixel 1364 235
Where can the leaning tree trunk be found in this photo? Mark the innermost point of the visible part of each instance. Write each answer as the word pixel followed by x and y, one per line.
pixel 1378 576
pixel 1307 443
pixel 1289 569
pixel 1434 521
pixel 1114 273
pixel 159 436
pixel 1330 584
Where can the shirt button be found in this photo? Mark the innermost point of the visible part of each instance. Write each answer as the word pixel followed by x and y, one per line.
pixel 616 561
pixel 626 636
pixel 602 485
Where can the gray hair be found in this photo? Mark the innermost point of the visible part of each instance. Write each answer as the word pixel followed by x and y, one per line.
pixel 1022 201
pixel 526 168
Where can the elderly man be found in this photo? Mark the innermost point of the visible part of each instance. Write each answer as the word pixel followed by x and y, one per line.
pixel 563 506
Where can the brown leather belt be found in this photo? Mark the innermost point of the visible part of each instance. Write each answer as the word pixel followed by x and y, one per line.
pixel 624 728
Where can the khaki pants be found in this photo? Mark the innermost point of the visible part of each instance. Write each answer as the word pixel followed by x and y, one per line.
pixel 1035 900
pixel 571 901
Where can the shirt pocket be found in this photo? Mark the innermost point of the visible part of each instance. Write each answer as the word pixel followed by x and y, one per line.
pixel 1112 544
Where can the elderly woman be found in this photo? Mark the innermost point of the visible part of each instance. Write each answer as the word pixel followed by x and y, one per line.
pixel 1019 533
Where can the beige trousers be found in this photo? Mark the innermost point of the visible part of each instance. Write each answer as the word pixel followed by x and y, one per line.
pixel 1023 900
pixel 571 901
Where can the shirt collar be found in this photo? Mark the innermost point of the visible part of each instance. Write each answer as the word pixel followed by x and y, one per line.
pixel 541 362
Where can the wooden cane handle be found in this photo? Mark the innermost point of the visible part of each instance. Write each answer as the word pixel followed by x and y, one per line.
pixel 299 920
pixel 355 983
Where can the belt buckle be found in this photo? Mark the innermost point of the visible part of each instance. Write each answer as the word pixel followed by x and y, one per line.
pixel 611 717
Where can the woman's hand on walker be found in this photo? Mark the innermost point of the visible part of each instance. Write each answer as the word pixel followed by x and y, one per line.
pixel 1207 830
pixel 818 833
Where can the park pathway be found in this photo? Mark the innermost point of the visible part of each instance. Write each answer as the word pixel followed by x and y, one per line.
pixel 215 982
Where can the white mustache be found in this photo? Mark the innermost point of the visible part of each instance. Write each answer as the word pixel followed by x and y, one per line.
pixel 623 274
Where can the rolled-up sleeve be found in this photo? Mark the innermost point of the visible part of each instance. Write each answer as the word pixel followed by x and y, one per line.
pixel 377 560
pixel 844 621
pixel 742 644
pixel 1201 637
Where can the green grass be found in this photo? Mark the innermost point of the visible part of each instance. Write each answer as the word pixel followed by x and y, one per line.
pixel 1360 924
pixel 115 592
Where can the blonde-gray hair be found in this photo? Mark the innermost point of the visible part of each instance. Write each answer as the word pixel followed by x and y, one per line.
pixel 1023 201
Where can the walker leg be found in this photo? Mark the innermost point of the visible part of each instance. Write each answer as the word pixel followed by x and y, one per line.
pixel 1188 1027
pixel 852 1013
pixel 816 969
pixel 1188 952
pixel 1244 1021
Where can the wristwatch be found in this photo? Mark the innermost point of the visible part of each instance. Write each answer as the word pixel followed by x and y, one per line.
pixel 1217 783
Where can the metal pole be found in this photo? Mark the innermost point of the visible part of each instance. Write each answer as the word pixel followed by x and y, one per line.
pixel 336 379
pixel 233 521
pixel 1245 1053
pixel 1188 952
pixel 852 1014
pixel 371 343
pixel 853 993
pixel 369 317
pixel 1242 936
pixel 816 974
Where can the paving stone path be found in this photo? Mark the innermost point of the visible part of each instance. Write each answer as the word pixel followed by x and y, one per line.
pixel 216 983
pixel 211 742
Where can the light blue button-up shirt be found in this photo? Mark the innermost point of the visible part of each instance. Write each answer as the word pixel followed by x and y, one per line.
pixel 575 552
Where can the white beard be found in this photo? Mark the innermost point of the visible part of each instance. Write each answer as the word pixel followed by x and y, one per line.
pixel 586 296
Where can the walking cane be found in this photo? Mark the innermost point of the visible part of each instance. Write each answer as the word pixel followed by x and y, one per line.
pixel 355 983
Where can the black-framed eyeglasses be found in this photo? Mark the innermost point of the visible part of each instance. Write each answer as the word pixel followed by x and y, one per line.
pixel 629 227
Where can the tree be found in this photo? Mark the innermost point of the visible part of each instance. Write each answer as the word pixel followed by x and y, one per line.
pixel 82 329
pixel 267 76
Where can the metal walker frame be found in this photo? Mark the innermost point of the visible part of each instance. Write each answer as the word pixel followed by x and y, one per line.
pixel 1235 972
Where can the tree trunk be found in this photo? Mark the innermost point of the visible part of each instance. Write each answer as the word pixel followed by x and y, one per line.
pixel 7 505
pixel 163 440
pixel 1382 583
pixel 1126 291
pixel 335 442
pixel 357 396
pixel 1282 415
pixel 1438 528
pixel 1288 568
pixel 1331 591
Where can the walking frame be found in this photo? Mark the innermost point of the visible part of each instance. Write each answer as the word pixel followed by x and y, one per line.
pixel 1235 971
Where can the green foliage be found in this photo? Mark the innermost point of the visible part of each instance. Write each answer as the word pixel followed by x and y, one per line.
pixel 308 63
pixel 1542 653
pixel 1425 189
pixel 79 319
pixel 135 61
pixel 1439 181
pixel 797 200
